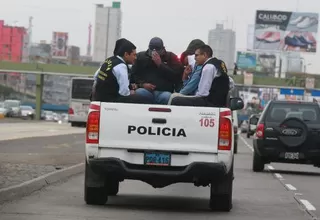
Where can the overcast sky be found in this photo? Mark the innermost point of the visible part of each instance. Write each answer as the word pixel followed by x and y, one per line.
pixel 177 22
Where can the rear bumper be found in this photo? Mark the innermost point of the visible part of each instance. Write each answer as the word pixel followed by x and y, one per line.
pixel 73 118
pixel 276 153
pixel 120 169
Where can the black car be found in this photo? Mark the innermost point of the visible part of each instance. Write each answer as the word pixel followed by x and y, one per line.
pixel 287 132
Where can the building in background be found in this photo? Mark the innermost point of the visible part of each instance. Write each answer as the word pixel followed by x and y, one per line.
pixel 250 37
pixel 12 42
pixel 107 30
pixel 223 43
pixel 73 55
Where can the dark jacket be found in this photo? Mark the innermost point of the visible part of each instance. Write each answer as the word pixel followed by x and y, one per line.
pixel 166 77
pixel 106 87
pixel 219 91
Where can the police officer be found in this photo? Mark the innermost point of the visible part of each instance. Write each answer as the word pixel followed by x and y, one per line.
pixel 116 48
pixel 214 85
pixel 112 82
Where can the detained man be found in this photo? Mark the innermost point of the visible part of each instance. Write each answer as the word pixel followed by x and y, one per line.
pixel 214 85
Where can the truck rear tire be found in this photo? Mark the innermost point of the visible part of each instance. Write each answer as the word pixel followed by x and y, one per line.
pixel 258 163
pixel 248 134
pixel 235 148
pixel 221 194
pixel 94 195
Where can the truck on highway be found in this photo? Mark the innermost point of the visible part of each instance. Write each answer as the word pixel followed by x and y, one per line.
pixel 160 145
pixel 81 88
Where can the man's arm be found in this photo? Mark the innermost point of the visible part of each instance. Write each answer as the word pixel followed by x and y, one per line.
pixel 193 84
pixel 121 74
pixel 173 70
pixel 209 71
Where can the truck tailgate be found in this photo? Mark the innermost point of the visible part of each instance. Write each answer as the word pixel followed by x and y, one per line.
pixel 154 127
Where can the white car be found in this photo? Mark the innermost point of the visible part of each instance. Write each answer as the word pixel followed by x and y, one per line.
pixel 159 145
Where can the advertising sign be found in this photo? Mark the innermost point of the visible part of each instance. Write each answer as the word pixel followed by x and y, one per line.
pixel 266 63
pixel 256 62
pixel 59 46
pixel 286 31
pixel 246 60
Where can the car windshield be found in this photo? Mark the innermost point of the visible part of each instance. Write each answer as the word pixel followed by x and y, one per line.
pixel 12 104
pixel 306 112
pixel 81 88
pixel 23 107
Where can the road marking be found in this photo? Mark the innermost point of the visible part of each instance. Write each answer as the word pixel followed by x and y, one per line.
pixel 278 176
pixel 247 144
pixel 291 187
pixel 308 205
pixel 270 167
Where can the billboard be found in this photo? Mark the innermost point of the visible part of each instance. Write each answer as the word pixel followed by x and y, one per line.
pixel 256 62
pixel 59 46
pixel 286 31
pixel 266 63
pixel 246 60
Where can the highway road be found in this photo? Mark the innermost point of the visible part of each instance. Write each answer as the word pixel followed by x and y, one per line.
pixel 302 180
pixel 256 196
pixel 11 130
pixel 29 150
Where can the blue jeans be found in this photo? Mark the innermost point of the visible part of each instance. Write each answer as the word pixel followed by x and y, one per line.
pixel 158 97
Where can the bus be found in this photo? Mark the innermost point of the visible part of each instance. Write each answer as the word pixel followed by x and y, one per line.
pixel 81 88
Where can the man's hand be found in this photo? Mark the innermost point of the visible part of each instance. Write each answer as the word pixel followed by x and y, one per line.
pixel 156 58
pixel 186 72
pixel 148 86
pixel 134 86
pixel 132 92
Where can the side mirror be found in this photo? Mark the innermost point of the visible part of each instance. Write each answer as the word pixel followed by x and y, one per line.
pixel 236 103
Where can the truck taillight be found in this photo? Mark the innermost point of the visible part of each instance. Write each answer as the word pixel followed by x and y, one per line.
pixel 93 123
pixel 70 111
pixel 260 131
pixel 225 134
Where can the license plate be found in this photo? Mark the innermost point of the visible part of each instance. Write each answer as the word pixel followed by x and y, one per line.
pixel 292 156
pixel 157 159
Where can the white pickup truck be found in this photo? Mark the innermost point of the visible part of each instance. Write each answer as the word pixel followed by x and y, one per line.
pixel 159 145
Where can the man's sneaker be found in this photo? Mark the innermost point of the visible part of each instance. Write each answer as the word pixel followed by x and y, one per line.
pixel 264 35
pixel 307 22
pixel 297 20
pixel 275 37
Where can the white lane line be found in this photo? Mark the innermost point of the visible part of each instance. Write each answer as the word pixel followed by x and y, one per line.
pixel 270 167
pixel 308 205
pixel 291 187
pixel 247 144
pixel 278 176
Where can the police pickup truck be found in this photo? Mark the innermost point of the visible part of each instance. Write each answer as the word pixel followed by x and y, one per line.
pixel 159 145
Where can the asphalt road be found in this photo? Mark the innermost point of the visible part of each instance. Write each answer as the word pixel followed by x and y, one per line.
pixel 303 180
pixel 256 196
pixel 27 158
pixel 18 130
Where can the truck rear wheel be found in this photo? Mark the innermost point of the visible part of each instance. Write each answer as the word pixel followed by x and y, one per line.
pixel 258 163
pixel 221 194
pixel 93 195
